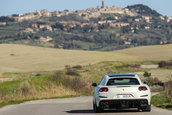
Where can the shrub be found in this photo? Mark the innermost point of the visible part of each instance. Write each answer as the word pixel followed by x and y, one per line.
pixel 165 63
pixel 77 67
pixel 80 85
pixel 71 71
pixel 146 74
pixel 12 54
pixel 25 88
pixel 168 89
pixel 77 84
pixel 57 77
pixel 162 64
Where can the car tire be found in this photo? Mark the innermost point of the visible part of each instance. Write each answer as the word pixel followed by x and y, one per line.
pixel 97 109
pixel 147 109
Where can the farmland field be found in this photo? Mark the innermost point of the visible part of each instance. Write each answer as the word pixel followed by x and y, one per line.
pixel 21 58
pixel 156 52
pixel 34 72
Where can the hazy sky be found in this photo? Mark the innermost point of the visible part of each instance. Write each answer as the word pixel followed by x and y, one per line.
pixel 8 7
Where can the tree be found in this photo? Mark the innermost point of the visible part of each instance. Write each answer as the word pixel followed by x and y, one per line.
pixel 125 29
pixel 58 25
pixel 6 19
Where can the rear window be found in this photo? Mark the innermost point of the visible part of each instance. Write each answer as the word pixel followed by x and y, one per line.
pixel 123 81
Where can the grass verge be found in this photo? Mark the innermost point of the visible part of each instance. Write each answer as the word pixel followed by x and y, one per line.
pixel 57 85
pixel 12 102
pixel 160 100
pixel 69 82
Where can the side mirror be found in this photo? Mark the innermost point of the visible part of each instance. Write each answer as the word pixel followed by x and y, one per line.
pixel 94 84
pixel 145 82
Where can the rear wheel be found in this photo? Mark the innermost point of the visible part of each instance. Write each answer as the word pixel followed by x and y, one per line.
pixel 147 109
pixel 97 109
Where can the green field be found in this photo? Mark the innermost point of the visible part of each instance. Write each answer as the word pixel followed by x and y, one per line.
pixel 71 81
pixel 162 101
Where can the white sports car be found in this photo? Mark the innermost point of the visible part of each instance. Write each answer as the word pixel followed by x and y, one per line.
pixel 118 91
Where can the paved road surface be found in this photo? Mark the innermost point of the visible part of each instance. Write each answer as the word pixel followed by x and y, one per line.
pixel 69 106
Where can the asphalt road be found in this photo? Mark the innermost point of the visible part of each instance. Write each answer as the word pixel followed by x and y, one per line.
pixel 69 106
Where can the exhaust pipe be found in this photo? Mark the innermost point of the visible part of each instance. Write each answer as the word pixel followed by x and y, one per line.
pixel 104 104
pixel 143 103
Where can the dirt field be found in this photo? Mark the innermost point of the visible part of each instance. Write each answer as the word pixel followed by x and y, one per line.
pixel 157 52
pixel 163 75
pixel 20 58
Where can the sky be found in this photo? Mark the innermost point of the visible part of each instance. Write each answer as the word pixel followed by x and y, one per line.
pixel 8 7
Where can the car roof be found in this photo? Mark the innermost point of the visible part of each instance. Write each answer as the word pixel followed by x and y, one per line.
pixel 122 75
pixel 112 76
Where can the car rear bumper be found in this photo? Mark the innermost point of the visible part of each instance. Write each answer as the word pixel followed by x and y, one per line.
pixel 141 103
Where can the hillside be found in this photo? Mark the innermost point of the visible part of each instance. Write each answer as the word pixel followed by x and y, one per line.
pixel 157 52
pixel 143 10
pixel 21 58
pixel 101 29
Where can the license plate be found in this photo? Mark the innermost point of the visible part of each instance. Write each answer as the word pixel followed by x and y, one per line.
pixel 124 96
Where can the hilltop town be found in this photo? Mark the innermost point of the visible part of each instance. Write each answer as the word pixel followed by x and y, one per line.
pixel 101 28
pixel 86 14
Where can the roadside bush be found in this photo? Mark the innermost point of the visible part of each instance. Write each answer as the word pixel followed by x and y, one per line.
pixel 71 71
pixel 146 74
pixel 77 67
pixel 58 77
pixel 77 84
pixel 162 64
pixel 168 89
pixel 25 88
pixel 165 63
pixel 81 86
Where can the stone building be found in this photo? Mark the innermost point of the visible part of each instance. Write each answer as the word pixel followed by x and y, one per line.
pixel 3 23
pixel 103 4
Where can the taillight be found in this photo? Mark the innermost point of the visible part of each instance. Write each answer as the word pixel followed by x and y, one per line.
pixel 103 89
pixel 143 88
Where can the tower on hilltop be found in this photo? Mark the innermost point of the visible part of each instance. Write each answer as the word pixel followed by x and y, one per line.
pixel 103 4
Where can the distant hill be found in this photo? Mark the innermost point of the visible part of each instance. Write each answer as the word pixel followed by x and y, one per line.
pixel 101 29
pixel 143 10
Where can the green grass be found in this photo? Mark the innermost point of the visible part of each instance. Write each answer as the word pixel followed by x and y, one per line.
pixel 8 88
pixel 40 84
pixel 160 100
pixel 12 102
pixel 54 84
